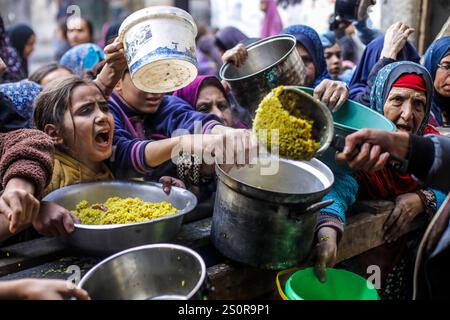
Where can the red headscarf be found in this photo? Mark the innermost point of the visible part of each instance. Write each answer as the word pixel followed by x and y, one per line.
pixel 387 184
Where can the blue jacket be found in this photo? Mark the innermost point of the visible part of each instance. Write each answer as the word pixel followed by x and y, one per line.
pixel 173 115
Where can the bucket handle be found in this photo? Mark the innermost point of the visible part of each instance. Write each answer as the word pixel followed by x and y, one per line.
pixel 279 275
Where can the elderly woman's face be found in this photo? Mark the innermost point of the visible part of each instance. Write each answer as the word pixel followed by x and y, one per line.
pixel 406 108
pixel 442 81
pixel 310 68
pixel 212 101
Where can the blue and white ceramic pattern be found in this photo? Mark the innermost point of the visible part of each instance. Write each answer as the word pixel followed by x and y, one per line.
pixel 159 44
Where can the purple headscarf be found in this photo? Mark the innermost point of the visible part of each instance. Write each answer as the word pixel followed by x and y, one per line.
pixel 11 58
pixel 272 24
pixel 227 38
pixel 208 54
pixel 190 93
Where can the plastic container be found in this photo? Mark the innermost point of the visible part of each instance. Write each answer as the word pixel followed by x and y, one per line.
pixel 340 285
pixel 159 43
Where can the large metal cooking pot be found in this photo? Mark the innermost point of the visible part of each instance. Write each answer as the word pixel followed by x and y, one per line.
pixel 271 62
pixel 109 239
pixel 154 272
pixel 268 221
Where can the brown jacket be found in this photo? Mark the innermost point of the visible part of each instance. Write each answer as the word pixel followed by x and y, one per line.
pixel 26 154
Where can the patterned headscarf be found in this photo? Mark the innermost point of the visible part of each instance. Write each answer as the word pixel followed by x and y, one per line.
pixel 82 57
pixel 309 38
pixel 22 95
pixel 11 58
pixel 389 75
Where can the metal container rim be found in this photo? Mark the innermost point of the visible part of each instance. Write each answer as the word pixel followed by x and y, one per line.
pixel 182 212
pixel 149 247
pixel 255 45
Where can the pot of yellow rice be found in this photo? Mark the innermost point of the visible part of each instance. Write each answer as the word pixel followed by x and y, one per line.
pixel 117 215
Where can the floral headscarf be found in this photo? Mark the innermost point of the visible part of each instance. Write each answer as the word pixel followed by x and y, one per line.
pixel 11 58
pixel 22 95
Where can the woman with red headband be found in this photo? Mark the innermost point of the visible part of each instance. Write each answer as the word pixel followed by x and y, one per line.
pixel 403 93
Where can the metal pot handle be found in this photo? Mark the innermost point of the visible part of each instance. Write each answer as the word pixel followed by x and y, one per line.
pixel 312 209
pixel 318 206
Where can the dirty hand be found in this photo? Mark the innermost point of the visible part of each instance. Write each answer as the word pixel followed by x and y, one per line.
pixel 3 67
pixel 18 204
pixel 168 182
pixel 332 93
pixel 395 39
pixel 115 57
pixel 377 146
pixel 238 55
pixel 54 220
pixel 407 207
pixel 325 252
pixel 32 289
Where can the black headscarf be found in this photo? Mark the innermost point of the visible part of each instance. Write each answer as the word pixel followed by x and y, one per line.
pixel 19 36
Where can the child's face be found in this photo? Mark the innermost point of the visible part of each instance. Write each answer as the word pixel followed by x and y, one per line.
pixel 89 130
pixel 141 101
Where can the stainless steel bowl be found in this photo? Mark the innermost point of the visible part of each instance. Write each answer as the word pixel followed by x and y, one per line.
pixel 311 108
pixel 153 272
pixel 109 239
pixel 271 62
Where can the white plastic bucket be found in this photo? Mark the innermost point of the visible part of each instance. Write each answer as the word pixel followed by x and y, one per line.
pixel 159 44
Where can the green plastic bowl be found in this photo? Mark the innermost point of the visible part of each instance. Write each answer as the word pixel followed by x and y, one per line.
pixel 354 116
pixel 340 285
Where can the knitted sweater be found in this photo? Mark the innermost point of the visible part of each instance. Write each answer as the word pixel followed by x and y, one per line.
pixel 26 154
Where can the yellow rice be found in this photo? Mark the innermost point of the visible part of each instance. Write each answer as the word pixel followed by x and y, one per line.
pixel 122 211
pixel 295 133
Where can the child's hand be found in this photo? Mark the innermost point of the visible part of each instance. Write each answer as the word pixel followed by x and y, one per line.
pixel 32 289
pixel 168 182
pixel 19 205
pixel 325 252
pixel 54 220
pixel 115 57
pixel 116 64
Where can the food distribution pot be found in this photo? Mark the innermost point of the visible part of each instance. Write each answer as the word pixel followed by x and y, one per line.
pixel 268 221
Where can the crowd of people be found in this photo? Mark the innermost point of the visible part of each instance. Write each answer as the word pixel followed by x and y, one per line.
pixel 81 119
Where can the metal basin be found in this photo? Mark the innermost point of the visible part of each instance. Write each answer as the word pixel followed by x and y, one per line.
pixel 109 239
pixel 153 272
pixel 271 62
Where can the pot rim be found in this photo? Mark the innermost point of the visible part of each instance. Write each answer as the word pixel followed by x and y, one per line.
pixel 255 45
pixel 197 287
pixel 156 12
pixel 191 206
pixel 269 195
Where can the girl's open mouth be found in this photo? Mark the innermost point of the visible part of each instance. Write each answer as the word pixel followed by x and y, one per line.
pixel 103 138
